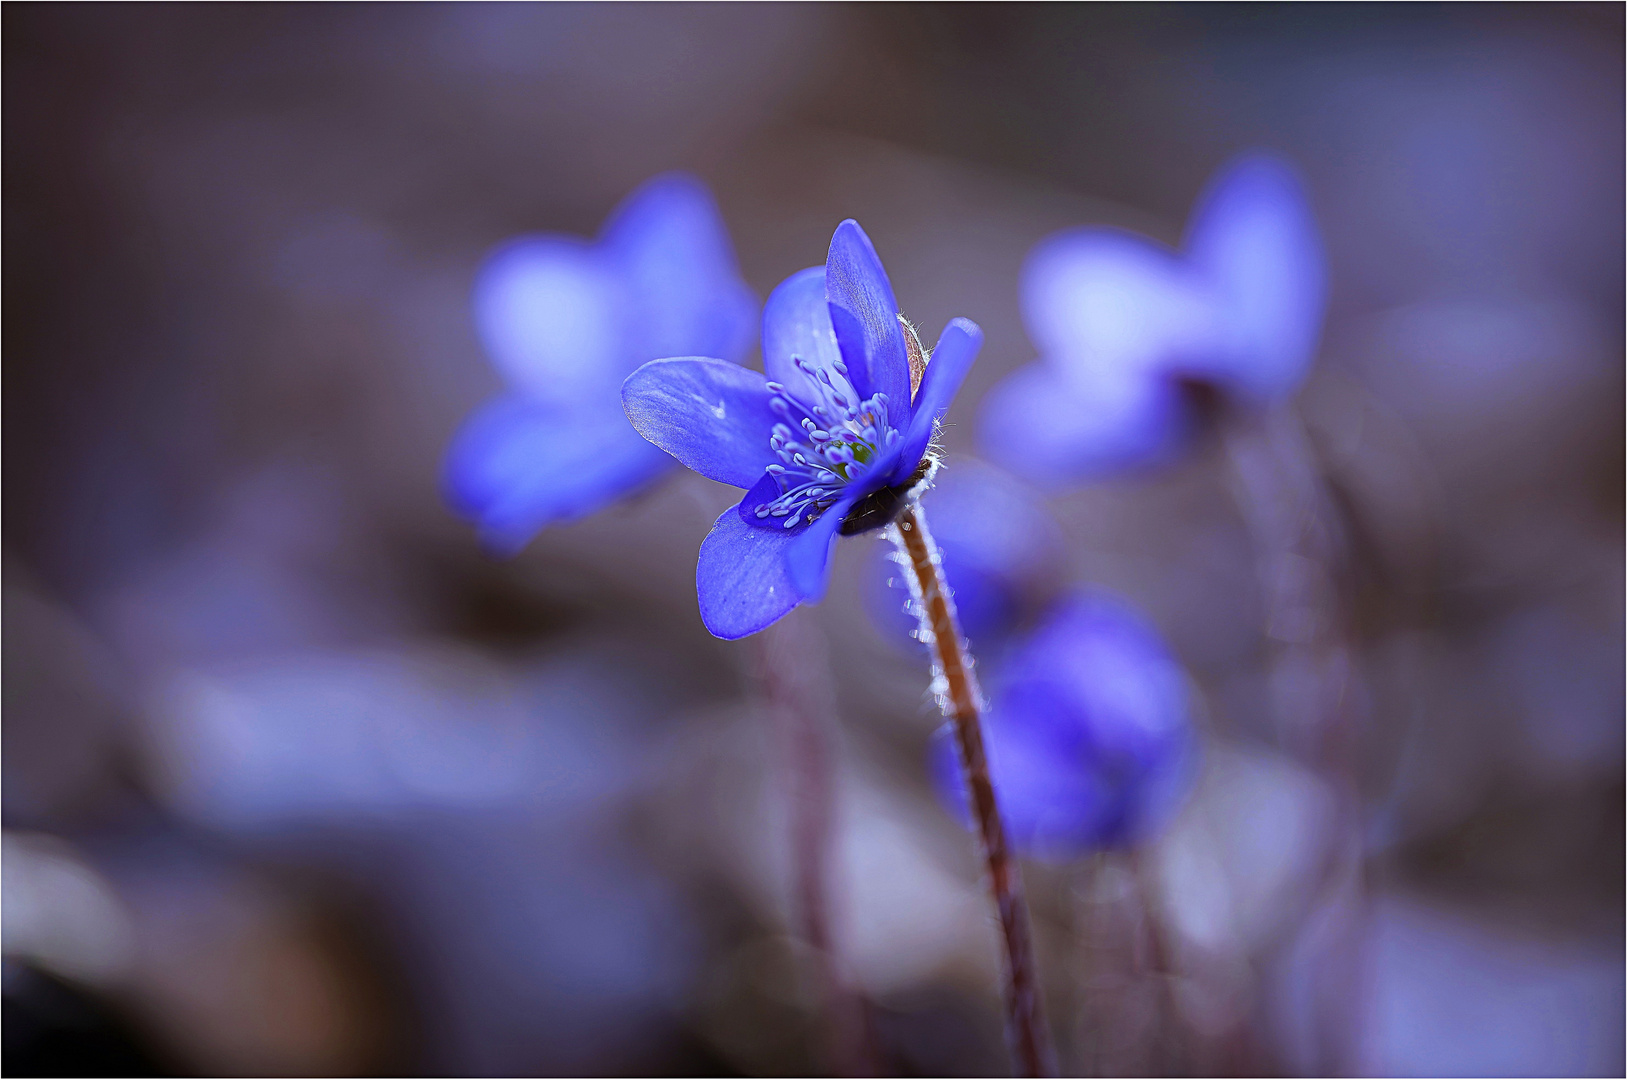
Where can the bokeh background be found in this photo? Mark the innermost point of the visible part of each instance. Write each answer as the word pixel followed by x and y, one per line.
pixel 298 781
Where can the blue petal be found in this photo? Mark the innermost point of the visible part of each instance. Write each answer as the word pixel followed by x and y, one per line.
pixel 709 414
pixel 742 579
pixel 796 323
pixel 517 465
pixel 990 516
pixel 763 491
pixel 1254 237
pixel 865 317
pixel 1108 681
pixel 952 358
pixel 1089 733
pixel 1102 299
pixel 807 556
pixel 553 314
pixel 766 491
pixel 671 246
pixel 1052 812
pixel 1056 431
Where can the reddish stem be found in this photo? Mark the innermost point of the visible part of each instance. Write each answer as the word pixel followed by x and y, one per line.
pixel 961 701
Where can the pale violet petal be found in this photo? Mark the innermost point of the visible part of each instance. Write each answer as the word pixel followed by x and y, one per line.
pixel 1056 431
pixel 1105 300
pixel 553 315
pixel 1253 236
pixel 672 249
pixel 518 465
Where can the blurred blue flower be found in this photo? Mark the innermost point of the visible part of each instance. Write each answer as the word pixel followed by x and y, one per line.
pixel 1089 734
pixel 1001 549
pixel 1121 322
pixel 564 320
pixel 829 440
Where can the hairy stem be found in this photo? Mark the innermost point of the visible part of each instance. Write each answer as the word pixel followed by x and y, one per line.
pixel 962 702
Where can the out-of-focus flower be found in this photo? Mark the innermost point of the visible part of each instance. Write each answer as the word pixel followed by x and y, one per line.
pixel 829 439
pixel 1001 555
pixel 564 320
pixel 1089 735
pixel 1121 322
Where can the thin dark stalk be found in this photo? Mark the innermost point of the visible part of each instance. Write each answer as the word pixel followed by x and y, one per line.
pixel 1167 1042
pixel 796 677
pixel 958 695
pixel 1300 552
pixel 1303 563
pixel 1127 1022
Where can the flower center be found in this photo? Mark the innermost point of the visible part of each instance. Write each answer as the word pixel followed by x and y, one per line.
pixel 823 446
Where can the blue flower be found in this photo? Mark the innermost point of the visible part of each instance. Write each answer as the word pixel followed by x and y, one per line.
pixel 1125 326
pixel 1001 549
pixel 1088 733
pixel 828 441
pixel 564 320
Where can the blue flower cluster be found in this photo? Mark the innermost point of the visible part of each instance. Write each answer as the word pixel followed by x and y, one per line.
pixel 564 321
pixel 1089 732
pixel 1125 326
